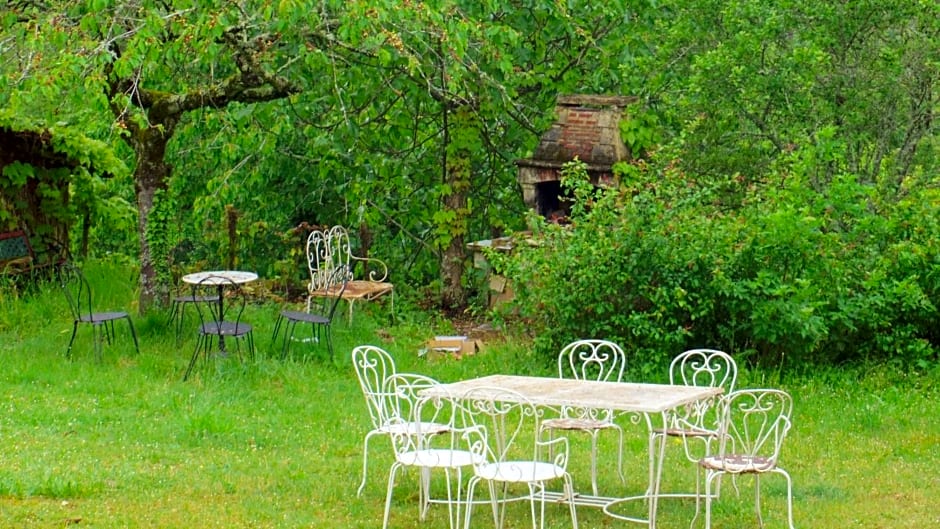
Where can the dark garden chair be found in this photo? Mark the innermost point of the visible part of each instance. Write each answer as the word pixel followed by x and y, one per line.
pixel 78 295
pixel 319 312
pixel 220 322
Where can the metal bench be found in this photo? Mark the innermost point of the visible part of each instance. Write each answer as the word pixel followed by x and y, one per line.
pixel 17 256
pixel 330 249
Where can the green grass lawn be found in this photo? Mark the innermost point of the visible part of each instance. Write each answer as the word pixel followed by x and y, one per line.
pixel 124 442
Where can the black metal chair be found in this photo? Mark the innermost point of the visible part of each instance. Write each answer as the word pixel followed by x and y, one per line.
pixel 319 312
pixel 78 294
pixel 220 321
pixel 179 300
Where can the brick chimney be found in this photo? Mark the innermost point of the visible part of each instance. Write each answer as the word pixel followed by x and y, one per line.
pixel 587 128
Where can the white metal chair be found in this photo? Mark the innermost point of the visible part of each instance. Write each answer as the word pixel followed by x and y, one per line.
pixel 754 424
pixel 503 432
pixel 590 360
pixel 374 366
pixel 408 412
pixel 696 424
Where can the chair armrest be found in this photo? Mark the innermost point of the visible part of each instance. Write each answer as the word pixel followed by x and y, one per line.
pixel 377 269
pixel 557 446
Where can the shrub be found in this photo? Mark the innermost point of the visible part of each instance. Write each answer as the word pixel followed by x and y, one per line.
pixel 781 274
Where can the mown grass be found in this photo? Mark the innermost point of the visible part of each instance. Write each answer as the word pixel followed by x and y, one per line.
pixel 274 443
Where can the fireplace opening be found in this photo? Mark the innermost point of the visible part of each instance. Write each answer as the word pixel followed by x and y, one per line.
pixel 551 202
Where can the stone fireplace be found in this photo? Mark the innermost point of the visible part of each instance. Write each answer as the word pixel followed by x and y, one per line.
pixel 587 127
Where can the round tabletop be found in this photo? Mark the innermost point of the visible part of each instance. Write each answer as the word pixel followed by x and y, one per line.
pixel 218 277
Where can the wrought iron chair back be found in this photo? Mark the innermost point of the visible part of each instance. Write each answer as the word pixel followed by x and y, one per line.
pixel 181 296
pixel 330 293
pixel 401 392
pixel 373 366
pixel 330 250
pixel 704 368
pixel 223 318
pixel 319 312
pixel 600 360
pixel 696 424
pixel 754 423
pixel 77 290
pixel 502 426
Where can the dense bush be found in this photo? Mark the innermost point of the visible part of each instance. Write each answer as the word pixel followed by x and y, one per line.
pixel 782 273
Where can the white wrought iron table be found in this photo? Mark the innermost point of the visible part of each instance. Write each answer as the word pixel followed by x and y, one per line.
pixel 646 401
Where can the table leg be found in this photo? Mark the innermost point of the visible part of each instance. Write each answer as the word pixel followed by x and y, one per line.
pixel 656 467
pixel 221 318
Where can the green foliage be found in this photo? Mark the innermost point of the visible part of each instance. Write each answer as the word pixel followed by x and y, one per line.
pixel 793 276
pixel 162 237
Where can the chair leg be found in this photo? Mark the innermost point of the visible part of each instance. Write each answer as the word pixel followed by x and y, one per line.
pixel 709 475
pixel 494 505
pixel 388 493
pixel 471 485
pixel 594 434
pixel 620 456
pixel 424 492
pixel 652 461
pixel 329 341
pixel 569 490
pixel 789 495
pixel 192 361
pixel 537 493
pixel 277 330
pixel 365 463
pixel 760 519
pixel 68 352
pixel 289 330
pixel 130 325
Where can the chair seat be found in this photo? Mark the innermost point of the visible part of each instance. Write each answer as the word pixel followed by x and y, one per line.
pixel 575 423
pixel 358 289
pixel 190 298
pixel 101 317
pixel 225 328
pixel 411 428
pixel 439 458
pixel 520 471
pixel 738 464
pixel 306 317
pixel 684 432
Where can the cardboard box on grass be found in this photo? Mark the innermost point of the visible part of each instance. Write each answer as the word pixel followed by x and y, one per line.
pixel 454 345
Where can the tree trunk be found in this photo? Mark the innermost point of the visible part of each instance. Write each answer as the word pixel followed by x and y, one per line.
pixel 453 295
pixel 150 175
pixel 461 136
